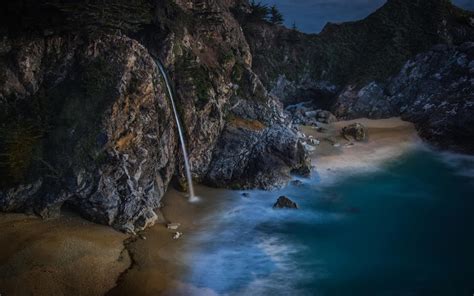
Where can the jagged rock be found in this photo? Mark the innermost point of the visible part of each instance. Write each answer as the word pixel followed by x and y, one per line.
pixel 367 72
pixel 111 147
pixel 284 202
pixel 325 116
pixel 297 183
pixel 249 155
pixel 355 131
pixel 434 90
pixel 108 152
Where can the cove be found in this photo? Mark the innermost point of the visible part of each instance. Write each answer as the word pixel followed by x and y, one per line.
pixel 404 229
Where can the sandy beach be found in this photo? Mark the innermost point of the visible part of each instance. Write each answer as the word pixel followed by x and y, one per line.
pixel 387 140
pixel 71 256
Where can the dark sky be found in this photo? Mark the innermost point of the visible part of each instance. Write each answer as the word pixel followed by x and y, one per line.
pixel 311 15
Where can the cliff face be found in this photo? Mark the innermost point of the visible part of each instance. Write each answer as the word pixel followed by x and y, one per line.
pixel 350 65
pixel 435 90
pixel 86 122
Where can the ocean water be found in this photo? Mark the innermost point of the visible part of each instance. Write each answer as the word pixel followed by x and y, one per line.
pixel 405 229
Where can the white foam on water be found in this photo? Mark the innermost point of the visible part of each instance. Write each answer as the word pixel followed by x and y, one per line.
pixel 462 163
pixel 355 161
pixel 277 282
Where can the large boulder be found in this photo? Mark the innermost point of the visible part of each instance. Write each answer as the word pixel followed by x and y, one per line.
pixel 354 131
pixel 251 155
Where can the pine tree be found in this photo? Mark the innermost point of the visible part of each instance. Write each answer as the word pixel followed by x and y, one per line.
pixel 294 27
pixel 259 11
pixel 276 17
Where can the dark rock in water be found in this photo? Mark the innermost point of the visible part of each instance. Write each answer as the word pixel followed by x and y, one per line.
pixel 296 183
pixel 246 194
pixel 355 131
pixel 284 202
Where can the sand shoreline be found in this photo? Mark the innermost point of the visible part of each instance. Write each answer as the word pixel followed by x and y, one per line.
pixel 73 256
pixel 388 139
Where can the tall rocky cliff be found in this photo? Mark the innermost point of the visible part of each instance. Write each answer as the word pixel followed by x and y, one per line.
pixel 404 55
pixel 86 122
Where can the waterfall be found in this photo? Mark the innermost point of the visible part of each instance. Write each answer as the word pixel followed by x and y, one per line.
pixel 187 167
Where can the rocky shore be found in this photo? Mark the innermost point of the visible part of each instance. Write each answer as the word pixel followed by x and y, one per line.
pixel 86 123
pixel 152 262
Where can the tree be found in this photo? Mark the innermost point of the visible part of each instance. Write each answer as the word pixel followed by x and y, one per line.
pixel 259 11
pixel 276 17
pixel 294 27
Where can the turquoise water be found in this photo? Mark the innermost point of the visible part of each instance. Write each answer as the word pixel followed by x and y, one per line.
pixel 406 229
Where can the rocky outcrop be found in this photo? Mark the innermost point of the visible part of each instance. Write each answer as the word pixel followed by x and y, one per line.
pixel 435 90
pixel 86 122
pixel 354 131
pixel 284 202
pixel 306 114
pixel 360 69
pixel 251 155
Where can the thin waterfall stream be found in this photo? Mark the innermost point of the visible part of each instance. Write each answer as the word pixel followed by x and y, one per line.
pixel 187 167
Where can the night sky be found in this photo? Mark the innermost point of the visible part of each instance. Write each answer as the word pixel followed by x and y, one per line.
pixel 311 15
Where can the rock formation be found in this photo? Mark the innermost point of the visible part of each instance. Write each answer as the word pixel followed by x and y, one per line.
pixel 354 131
pixel 409 58
pixel 86 123
pixel 284 202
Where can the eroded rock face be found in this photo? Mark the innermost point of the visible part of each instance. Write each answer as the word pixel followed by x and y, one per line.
pixel 360 69
pixel 104 143
pixel 435 90
pixel 93 114
pixel 256 157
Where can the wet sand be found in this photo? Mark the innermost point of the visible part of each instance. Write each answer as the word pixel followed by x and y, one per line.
pixel 71 256
pixel 387 140
pixel 159 260
pixel 68 256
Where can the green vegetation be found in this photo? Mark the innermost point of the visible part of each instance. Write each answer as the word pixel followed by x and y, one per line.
pixel 294 27
pixel 97 16
pixel 91 16
pixel 18 142
pixel 57 127
pixel 187 68
pixel 275 17
pixel 358 52
pixel 259 11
